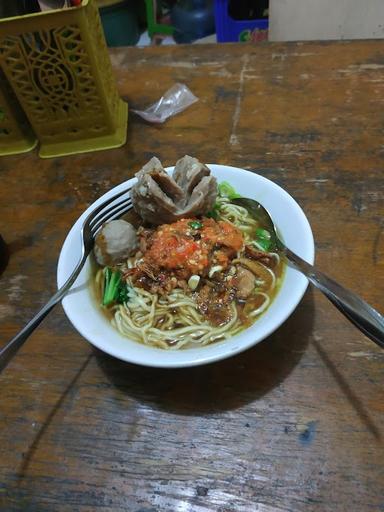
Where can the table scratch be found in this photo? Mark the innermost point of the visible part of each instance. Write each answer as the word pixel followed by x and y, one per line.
pixel 233 138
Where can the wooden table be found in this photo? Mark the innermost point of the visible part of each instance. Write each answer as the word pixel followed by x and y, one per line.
pixel 294 424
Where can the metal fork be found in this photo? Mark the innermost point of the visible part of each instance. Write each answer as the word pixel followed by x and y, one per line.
pixel 103 213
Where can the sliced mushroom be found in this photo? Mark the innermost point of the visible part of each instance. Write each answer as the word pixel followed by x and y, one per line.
pixel 269 259
pixel 244 282
pixel 265 279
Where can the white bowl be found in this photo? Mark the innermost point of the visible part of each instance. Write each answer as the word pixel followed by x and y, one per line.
pixel 83 312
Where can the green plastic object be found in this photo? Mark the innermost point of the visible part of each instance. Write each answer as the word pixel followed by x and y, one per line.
pixel 58 65
pixel 16 135
pixel 120 23
pixel 155 28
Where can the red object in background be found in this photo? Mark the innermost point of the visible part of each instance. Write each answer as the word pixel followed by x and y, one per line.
pixel 75 3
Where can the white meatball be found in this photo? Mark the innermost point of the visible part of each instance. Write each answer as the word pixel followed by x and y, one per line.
pixel 115 242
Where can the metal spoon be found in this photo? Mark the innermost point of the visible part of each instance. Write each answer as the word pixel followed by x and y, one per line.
pixel 364 316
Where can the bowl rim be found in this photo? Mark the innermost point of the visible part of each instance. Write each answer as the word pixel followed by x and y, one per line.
pixel 160 358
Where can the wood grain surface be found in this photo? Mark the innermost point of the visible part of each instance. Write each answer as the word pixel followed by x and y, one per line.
pixel 294 424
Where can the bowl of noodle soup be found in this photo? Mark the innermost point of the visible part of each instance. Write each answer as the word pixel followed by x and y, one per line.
pixel 129 336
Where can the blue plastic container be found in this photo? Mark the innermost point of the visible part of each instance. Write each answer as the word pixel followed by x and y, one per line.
pixel 192 19
pixel 231 30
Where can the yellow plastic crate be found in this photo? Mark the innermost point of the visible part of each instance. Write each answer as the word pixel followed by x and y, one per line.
pixel 58 65
pixel 16 135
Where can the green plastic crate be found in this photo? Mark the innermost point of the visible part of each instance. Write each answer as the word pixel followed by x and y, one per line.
pixel 58 65
pixel 16 135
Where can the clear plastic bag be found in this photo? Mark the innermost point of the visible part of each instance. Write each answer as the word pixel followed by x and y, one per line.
pixel 175 100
